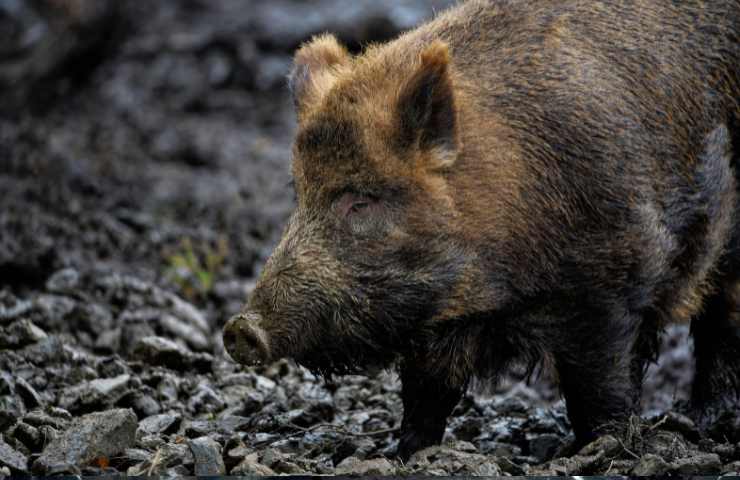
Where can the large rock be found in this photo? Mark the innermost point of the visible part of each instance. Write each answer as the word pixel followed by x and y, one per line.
pixel 93 436
pixel 207 454
pixel 13 459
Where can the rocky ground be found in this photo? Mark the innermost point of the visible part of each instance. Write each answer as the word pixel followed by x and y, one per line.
pixel 144 150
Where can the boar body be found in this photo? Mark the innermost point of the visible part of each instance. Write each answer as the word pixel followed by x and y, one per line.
pixel 547 181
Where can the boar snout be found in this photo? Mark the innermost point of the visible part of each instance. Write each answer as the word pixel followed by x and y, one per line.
pixel 245 340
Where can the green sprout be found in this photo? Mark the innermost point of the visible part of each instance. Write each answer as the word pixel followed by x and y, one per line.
pixel 195 270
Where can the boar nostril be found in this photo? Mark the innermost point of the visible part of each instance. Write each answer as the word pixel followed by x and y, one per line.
pixel 244 340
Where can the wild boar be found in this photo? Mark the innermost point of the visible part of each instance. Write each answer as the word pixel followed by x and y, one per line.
pixel 515 181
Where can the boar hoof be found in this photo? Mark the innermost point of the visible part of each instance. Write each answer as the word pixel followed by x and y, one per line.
pixel 412 442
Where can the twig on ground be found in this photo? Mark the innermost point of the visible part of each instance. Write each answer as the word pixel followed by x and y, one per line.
pixel 343 430
pixel 155 462
pixel 627 449
pixel 611 464
pixel 659 423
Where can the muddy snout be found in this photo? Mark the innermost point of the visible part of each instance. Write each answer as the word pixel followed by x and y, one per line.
pixel 245 341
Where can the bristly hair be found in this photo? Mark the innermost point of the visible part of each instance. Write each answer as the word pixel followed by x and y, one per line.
pixel 479 348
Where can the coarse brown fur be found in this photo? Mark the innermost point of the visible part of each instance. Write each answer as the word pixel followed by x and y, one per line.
pixel 515 181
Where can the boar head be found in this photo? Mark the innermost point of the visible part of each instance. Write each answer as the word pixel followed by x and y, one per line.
pixel 370 252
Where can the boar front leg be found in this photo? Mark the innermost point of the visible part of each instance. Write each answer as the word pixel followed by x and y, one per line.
pixel 598 375
pixel 427 402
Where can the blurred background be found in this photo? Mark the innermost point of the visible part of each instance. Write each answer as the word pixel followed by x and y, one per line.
pixel 144 163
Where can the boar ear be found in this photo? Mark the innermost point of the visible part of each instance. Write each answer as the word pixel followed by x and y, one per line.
pixel 314 69
pixel 426 106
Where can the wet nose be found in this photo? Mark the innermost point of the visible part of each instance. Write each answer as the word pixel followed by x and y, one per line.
pixel 244 339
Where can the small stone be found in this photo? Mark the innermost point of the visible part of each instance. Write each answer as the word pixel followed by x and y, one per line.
pixel 108 341
pixel 198 428
pixel 299 466
pixel 11 409
pixel 7 384
pixel 208 459
pixel 467 428
pixel 264 384
pixel 12 459
pixel 50 351
pixel 242 379
pixel 606 443
pixel 28 435
pixel 355 466
pixel 649 465
pixel 20 334
pixel 280 462
pixel 230 424
pixel 137 455
pixel 151 442
pixel 99 434
pixel 170 455
pixel 66 280
pixel 48 434
pixel 161 351
pixel 11 308
pixel 145 406
pixel 164 423
pixel 725 451
pixel 132 333
pixel 194 337
pixel 54 417
pixel 186 311
pixel 702 464
pixel 54 309
pixel 251 466
pixel 168 388
pixel 361 447
pixel 109 367
pixel 732 469
pixel 206 400
pixel 102 392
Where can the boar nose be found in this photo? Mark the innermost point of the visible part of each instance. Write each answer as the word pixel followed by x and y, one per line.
pixel 244 339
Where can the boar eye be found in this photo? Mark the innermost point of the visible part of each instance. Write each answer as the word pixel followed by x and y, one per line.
pixel 352 203
pixel 358 206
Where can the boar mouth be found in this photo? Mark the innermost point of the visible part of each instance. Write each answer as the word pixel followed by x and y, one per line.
pixel 330 368
pixel 354 355
pixel 345 360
